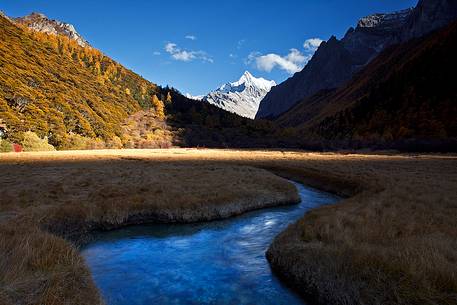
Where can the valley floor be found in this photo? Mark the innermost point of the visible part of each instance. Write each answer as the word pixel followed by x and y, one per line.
pixel 393 241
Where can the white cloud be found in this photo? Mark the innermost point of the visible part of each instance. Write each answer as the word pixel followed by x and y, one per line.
pixel 186 55
pixel 291 63
pixel 191 37
pixel 295 56
pixel 156 53
pixel 312 44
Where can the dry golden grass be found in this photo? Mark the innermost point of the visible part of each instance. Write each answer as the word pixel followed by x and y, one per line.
pixel 44 200
pixel 40 268
pixel 393 242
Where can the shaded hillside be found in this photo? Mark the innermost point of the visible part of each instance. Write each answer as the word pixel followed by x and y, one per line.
pixel 408 92
pixel 305 110
pixel 336 61
pixel 200 124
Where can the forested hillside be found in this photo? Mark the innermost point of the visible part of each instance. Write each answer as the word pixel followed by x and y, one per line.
pixel 52 86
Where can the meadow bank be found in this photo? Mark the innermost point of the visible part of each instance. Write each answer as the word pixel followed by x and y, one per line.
pixel 393 242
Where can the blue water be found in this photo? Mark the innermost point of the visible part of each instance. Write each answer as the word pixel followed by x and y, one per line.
pixel 220 262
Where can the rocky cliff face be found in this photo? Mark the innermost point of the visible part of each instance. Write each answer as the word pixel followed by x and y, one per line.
pixel 372 34
pixel 428 16
pixel 41 23
pixel 336 61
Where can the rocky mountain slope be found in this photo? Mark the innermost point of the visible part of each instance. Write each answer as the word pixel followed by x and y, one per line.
pixel 241 97
pixel 336 61
pixel 406 94
pixel 428 16
pixel 41 23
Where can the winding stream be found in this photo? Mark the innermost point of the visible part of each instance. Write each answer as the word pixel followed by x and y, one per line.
pixel 220 262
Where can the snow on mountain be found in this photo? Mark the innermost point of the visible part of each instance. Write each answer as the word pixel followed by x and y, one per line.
pixel 194 97
pixel 241 97
pixel 41 23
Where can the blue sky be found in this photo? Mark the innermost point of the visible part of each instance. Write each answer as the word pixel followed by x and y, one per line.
pixel 195 46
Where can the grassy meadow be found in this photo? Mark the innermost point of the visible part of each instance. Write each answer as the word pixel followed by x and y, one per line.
pixel 392 241
pixel 47 206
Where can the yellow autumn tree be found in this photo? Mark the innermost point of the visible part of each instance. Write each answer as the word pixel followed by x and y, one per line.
pixel 168 100
pixel 158 106
pixel 97 68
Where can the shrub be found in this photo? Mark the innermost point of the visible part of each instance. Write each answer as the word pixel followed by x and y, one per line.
pixel 78 142
pixel 32 142
pixel 115 143
pixel 5 146
pixel 96 143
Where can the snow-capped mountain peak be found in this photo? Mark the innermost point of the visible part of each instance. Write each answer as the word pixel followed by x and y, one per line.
pixel 248 80
pixel 241 97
